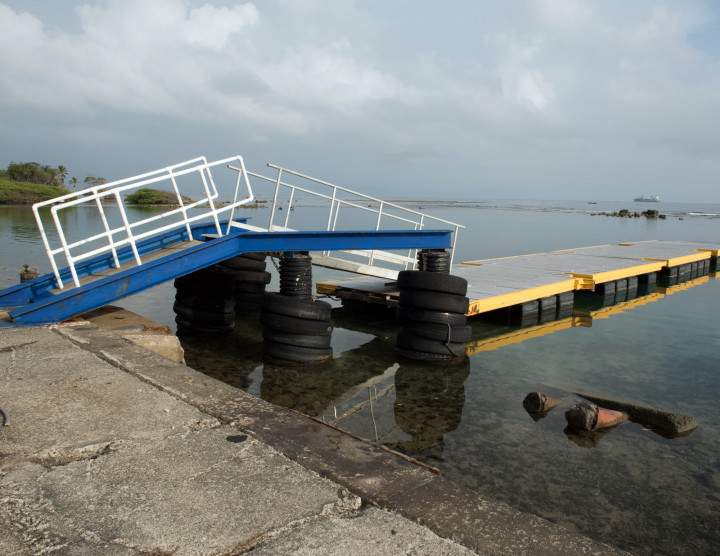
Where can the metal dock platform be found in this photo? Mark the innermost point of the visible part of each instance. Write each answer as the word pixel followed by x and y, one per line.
pixel 506 282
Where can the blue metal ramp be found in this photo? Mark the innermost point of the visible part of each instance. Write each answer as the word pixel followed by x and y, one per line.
pixel 130 258
pixel 39 302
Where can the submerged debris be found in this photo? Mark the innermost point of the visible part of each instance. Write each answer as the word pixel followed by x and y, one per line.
pixel 538 404
pixel 590 417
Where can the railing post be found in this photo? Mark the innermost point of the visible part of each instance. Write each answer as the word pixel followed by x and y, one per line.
pixel 287 214
pixel 275 198
pixel 48 250
pixel 332 207
pixel 452 252
pixel 66 249
pixel 182 205
pixel 128 229
pixel 107 230
pixel 208 196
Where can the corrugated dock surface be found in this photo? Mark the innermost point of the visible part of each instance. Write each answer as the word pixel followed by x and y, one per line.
pixel 505 282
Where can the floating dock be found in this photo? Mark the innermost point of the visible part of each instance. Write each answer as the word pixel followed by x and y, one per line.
pixel 545 279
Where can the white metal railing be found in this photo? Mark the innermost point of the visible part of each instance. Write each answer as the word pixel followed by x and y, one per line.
pixel 129 233
pixel 339 197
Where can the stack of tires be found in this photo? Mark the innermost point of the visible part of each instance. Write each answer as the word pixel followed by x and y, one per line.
pixel 250 280
pixel 432 308
pixel 204 300
pixel 296 276
pixel 434 260
pixel 296 329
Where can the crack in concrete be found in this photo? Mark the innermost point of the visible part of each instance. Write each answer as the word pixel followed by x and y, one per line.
pixel 59 457
pixel 16 346
pixel 347 506
pixel 235 456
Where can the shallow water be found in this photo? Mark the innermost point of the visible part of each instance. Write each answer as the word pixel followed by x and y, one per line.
pixel 631 488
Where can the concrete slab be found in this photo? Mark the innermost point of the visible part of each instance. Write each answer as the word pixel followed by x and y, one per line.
pixel 60 396
pixel 203 492
pixel 10 541
pixel 138 329
pixel 371 531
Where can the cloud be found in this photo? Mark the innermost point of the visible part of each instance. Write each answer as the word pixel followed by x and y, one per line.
pixel 475 85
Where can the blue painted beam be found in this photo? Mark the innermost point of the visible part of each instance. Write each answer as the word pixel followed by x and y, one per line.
pixel 96 294
pixel 22 294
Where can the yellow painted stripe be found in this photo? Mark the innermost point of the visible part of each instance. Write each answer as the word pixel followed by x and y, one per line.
pixel 620 274
pixel 684 286
pixel 517 336
pixel 521 296
pixel 685 259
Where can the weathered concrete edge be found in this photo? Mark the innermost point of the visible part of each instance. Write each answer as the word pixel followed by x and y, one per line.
pixel 378 476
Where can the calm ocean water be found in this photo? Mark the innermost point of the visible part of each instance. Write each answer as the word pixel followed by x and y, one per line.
pixel 633 488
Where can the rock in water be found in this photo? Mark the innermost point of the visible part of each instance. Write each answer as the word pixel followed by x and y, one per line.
pixel 28 273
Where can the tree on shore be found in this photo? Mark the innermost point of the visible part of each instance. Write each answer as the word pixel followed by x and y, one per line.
pixel 62 174
pixel 32 172
pixel 94 180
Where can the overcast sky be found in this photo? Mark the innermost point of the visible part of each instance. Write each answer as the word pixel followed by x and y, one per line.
pixel 545 99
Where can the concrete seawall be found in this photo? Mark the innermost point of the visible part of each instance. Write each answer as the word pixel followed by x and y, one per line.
pixel 116 449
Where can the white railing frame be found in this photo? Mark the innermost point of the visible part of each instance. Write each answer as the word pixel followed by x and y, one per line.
pixel 114 189
pixel 336 203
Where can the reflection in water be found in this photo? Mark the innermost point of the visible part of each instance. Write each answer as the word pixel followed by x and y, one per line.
pixel 429 400
pixel 586 439
pixel 316 391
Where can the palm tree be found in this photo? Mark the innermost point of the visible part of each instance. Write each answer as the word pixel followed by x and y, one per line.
pixel 62 174
pixel 73 182
pixel 94 180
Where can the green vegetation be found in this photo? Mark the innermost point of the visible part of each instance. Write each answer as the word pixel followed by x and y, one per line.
pixel 23 193
pixel 146 196
pixel 25 183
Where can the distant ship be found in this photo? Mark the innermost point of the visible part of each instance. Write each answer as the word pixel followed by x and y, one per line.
pixel 643 199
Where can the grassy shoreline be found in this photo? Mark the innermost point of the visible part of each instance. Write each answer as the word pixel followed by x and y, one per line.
pixel 24 193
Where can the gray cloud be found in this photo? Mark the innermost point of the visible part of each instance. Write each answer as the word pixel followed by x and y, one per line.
pixel 551 98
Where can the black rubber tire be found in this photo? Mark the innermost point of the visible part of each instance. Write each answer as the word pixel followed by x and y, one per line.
pixel 252 276
pixel 192 326
pixel 209 304
pixel 302 340
pixel 243 263
pixel 292 281
pixel 434 301
pixel 200 316
pixel 296 261
pixel 202 278
pixel 253 256
pixel 410 314
pixel 297 349
pixel 432 281
pixel 249 287
pixel 423 356
pixel 285 323
pixel 249 298
pixel 286 353
pixel 243 308
pixel 416 343
pixel 206 291
pixel 296 307
pixel 439 332
pixel 290 277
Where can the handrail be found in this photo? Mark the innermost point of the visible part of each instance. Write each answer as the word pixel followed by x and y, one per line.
pixel 130 236
pixel 407 216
